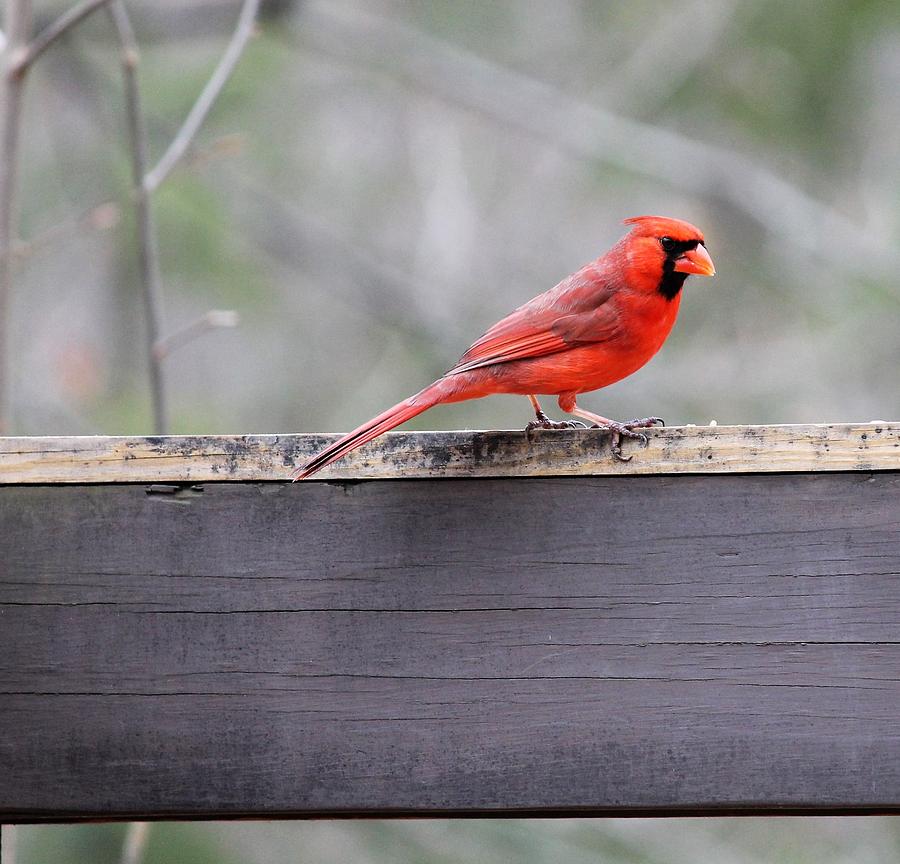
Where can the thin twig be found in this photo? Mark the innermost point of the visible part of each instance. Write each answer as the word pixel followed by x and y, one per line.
pixel 54 31
pixel 99 217
pixel 215 319
pixel 242 33
pixel 148 252
pixel 145 183
pixel 18 29
pixel 135 842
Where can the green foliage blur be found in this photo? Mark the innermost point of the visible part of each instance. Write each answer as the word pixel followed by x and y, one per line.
pixel 369 195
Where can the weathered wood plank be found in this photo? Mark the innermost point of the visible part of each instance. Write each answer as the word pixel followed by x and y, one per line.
pixel 674 450
pixel 599 645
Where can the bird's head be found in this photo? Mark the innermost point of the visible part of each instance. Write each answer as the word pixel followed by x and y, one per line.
pixel 663 252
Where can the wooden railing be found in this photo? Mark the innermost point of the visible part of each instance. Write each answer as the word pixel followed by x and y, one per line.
pixel 712 627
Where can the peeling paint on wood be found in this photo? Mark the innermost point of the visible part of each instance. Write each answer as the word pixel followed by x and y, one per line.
pixel 576 452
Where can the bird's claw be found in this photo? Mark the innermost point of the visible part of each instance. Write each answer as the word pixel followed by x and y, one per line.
pixel 645 423
pixel 616 449
pixel 544 422
pixel 618 431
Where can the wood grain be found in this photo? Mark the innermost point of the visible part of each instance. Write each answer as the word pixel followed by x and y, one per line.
pixel 559 645
pixel 576 452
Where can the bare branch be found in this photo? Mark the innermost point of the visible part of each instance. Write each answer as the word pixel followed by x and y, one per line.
pixel 242 33
pixel 19 55
pixel 696 167
pixel 148 252
pixel 54 31
pixel 18 29
pixel 135 842
pixel 215 319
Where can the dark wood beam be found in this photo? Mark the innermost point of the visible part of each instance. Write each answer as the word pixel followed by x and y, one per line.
pixel 644 644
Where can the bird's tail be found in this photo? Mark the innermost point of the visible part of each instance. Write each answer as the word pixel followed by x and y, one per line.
pixel 400 413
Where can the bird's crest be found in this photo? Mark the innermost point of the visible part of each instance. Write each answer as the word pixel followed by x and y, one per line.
pixel 663 226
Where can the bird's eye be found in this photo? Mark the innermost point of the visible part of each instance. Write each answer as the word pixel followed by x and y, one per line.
pixel 667 243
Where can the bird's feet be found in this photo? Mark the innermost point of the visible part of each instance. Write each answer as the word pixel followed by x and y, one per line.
pixel 618 431
pixel 544 422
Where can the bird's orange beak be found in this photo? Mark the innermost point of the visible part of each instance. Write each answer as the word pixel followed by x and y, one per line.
pixel 696 261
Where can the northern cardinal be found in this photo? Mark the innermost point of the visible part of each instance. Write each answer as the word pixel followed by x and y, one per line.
pixel 593 329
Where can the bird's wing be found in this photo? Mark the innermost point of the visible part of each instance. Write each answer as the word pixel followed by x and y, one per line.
pixel 554 322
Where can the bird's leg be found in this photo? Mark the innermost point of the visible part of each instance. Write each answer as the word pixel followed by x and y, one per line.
pixel 542 421
pixel 617 431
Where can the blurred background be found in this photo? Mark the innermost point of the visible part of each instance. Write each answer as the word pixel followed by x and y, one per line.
pixel 381 181
pixel 378 183
pixel 783 840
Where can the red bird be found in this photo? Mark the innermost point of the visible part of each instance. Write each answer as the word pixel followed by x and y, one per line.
pixel 593 329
